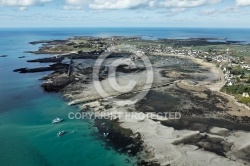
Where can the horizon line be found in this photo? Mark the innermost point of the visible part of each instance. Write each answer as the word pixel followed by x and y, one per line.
pixel 128 27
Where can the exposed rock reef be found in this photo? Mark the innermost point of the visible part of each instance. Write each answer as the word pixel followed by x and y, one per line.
pixel 54 67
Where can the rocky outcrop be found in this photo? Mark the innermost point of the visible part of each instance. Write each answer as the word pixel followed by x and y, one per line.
pixel 56 84
pixel 47 60
pixel 54 67
pixel 48 42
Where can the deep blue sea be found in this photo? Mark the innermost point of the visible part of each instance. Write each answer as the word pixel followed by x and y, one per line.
pixel 27 137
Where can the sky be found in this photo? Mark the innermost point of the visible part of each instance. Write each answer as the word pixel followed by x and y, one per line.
pixel 125 13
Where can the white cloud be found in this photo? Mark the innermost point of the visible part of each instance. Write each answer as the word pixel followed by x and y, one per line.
pixel 117 4
pixel 178 10
pixel 77 2
pixel 22 3
pixel 22 8
pixel 243 2
pixel 208 12
pixel 129 4
pixel 71 7
pixel 180 3
pixel 213 12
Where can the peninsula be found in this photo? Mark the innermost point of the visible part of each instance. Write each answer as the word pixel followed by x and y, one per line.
pixel 205 81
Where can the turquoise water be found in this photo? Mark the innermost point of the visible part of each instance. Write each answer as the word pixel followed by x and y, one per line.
pixel 27 137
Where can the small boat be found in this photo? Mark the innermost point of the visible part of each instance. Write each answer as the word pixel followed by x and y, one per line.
pixel 71 103
pixel 60 133
pixel 105 134
pixel 57 120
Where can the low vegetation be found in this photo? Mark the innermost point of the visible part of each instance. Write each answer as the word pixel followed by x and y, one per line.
pixel 236 89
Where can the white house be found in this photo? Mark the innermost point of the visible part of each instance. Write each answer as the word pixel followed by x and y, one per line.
pixel 245 94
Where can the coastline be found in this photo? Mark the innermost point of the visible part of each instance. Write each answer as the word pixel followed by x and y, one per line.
pixel 161 144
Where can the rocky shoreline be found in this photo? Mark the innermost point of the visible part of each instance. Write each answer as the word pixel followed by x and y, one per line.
pixel 208 124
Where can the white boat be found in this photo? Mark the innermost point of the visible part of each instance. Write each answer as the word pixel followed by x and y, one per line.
pixel 57 120
pixel 71 103
pixel 105 134
pixel 60 133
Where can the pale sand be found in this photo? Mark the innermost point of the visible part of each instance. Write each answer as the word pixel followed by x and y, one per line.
pixel 217 73
pixel 164 144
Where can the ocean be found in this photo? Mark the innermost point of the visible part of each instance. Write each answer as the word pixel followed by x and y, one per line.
pixel 27 137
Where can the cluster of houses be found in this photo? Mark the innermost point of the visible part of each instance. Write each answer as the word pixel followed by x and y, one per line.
pixel 223 58
pixel 228 77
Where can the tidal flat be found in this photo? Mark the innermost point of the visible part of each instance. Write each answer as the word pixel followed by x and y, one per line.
pixel 213 128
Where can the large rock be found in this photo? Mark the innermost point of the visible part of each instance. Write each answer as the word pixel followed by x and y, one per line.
pixel 219 131
pixel 57 84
